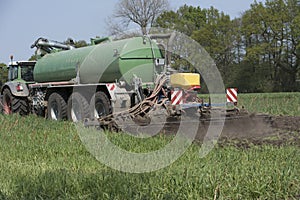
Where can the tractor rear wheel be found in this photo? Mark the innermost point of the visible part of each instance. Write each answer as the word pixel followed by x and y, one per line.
pixel 57 107
pixel 78 108
pixel 13 104
pixel 7 102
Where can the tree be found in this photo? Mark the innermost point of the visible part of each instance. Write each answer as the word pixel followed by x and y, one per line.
pixel 186 19
pixel 217 36
pixel 3 73
pixel 76 44
pixel 210 28
pixel 257 52
pixel 141 12
pixel 271 33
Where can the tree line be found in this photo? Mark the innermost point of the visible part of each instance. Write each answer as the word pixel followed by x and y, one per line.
pixel 257 52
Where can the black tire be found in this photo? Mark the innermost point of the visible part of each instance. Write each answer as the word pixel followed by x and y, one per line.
pixel 57 107
pixel 1 105
pixel 78 108
pixel 7 102
pixel 100 105
pixel 20 105
pixel 13 104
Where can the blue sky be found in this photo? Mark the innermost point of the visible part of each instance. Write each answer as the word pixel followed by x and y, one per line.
pixel 23 21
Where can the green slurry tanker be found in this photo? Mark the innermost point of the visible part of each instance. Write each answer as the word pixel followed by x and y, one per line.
pixel 89 82
pixel 109 84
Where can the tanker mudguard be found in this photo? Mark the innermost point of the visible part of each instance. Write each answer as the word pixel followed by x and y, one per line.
pixel 13 88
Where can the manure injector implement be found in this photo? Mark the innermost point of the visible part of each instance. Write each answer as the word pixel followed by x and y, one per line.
pixel 124 85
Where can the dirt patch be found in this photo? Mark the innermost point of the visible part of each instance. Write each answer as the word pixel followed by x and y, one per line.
pixel 289 123
pixel 277 131
pixel 243 131
pixel 260 126
pixel 253 129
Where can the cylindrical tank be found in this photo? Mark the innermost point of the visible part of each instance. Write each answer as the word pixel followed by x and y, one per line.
pixel 105 62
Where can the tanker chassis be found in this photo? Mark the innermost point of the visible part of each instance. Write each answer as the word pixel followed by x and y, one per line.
pixel 95 81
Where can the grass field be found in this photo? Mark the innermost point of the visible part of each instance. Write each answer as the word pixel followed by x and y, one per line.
pixel 43 159
pixel 272 103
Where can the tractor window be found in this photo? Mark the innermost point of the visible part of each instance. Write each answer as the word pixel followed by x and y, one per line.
pixel 13 73
pixel 27 73
pixel 162 50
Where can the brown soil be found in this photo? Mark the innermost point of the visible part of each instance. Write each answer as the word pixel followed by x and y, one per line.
pixel 287 123
pixel 242 130
pixel 278 130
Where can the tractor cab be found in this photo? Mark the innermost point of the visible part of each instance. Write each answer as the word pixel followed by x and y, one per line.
pixel 21 71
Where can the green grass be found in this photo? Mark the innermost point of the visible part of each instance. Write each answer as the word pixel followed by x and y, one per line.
pixel 269 103
pixel 43 159
pixel 272 103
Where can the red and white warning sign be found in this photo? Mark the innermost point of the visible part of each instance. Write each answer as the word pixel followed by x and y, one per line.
pixel 231 94
pixel 111 87
pixel 177 97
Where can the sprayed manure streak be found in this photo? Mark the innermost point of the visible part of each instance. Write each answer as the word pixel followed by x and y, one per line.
pixel 255 128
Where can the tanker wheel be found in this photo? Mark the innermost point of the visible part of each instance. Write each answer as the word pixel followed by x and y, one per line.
pixel 57 107
pixel 12 104
pixel 78 107
pixel 100 105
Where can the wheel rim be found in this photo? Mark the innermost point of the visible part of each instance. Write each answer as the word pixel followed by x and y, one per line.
pixel 54 111
pixel 76 114
pixel 99 110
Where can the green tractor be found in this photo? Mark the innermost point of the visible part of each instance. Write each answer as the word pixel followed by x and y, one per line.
pixel 15 91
